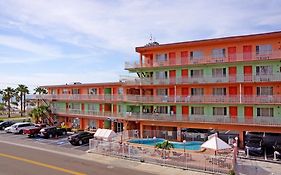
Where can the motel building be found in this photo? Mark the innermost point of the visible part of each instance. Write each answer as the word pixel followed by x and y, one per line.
pixel 230 84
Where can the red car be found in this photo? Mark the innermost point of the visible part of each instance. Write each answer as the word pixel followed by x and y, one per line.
pixel 34 130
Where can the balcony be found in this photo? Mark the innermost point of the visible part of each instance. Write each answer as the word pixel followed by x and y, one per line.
pixel 195 99
pixel 239 78
pixel 208 59
pixel 240 120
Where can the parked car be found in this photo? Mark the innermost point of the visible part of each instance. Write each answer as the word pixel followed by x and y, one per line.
pixel 80 138
pixel 52 131
pixel 255 146
pixel 34 130
pixel 18 128
pixel 6 124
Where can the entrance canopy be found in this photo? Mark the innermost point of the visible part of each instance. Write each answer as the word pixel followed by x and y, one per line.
pixel 104 134
pixel 215 143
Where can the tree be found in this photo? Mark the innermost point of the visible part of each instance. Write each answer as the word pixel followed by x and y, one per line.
pixel 41 113
pixel 22 90
pixel 166 145
pixel 8 94
pixel 40 91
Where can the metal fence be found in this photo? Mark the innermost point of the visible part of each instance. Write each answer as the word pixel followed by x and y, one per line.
pixel 176 158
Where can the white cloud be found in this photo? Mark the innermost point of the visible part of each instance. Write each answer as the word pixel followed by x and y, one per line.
pixel 26 45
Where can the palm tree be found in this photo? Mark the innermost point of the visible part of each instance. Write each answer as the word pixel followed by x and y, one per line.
pixel 166 145
pixel 8 94
pixel 22 90
pixel 40 91
pixel 40 113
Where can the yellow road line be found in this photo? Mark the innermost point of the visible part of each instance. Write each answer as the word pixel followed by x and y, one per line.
pixel 41 164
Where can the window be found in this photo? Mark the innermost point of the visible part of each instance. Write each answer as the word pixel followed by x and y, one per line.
pixel 196 73
pixel 219 91
pixel 264 90
pixel 93 107
pixel 197 110
pixel 161 57
pixel 265 112
pixel 219 111
pixel 218 53
pixel 93 91
pixel 65 91
pixel 265 49
pixel 197 91
pixel 162 109
pixel 196 55
pixel 74 106
pixel 75 91
pixel 219 72
pixel 120 91
pixel 162 92
pixel 161 75
pixel 264 70
pixel 53 91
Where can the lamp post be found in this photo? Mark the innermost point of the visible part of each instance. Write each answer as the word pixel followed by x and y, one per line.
pixel 184 141
pixel 154 140
pixel 235 152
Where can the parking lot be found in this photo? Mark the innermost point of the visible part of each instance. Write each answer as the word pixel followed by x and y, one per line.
pixel 59 142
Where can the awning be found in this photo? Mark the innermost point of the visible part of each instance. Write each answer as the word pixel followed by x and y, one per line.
pixel 104 134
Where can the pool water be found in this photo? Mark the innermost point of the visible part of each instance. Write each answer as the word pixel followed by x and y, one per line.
pixel 193 145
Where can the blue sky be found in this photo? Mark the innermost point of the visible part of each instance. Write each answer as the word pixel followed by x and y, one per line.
pixel 55 42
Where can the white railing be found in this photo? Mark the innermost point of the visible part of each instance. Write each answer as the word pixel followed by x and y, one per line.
pixel 232 99
pixel 219 164
pixel 239 78
pixel 241 120
pixel 205 60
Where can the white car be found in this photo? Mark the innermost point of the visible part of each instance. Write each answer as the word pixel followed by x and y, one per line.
pixel 8 129
pixel 19 127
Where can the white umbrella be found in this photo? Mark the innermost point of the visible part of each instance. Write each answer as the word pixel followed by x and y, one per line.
pixel 215 143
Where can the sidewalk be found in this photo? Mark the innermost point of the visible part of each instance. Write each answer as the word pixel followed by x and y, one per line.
pixel 249 167
pixel 149 168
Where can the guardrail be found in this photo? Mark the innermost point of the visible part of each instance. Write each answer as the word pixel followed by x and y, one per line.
pixel 178 158
pixel 205 59
pixel 240 120
pixel 194 99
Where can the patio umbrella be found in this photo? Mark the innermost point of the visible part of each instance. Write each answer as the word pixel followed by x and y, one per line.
pixel 215 143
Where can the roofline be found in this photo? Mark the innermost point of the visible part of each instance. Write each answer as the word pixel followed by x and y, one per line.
pixel 82 85
pixel 195 42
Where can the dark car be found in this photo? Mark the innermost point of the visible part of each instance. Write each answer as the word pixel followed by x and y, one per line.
pixel 52 131
pixel 255 146
pixel 6 124
pixel 80 138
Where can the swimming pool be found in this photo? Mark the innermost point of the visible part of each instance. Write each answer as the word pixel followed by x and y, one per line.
pixel 193 145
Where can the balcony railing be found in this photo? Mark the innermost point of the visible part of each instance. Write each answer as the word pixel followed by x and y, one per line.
pixel 241 120
pixel 205 60
pixel 239 78
pixel 187 99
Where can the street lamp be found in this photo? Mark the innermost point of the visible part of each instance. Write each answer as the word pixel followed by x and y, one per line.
pixel 154 140
pixel 235 151
pixel 184 141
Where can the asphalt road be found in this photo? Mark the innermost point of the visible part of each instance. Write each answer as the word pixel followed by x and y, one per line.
pixel 17 160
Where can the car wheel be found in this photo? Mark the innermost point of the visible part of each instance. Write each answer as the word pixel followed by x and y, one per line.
pixel 80 142
pixel 21 132
pixel 50 135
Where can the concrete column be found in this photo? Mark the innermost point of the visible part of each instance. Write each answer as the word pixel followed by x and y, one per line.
pixel 141 130
pixel 178 134
pixel 241 139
